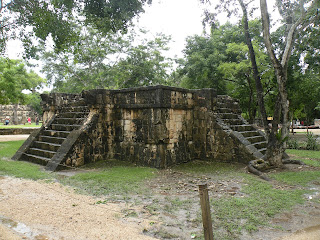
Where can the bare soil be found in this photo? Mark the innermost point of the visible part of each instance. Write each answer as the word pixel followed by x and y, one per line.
pixel 38 210
pixel 6 138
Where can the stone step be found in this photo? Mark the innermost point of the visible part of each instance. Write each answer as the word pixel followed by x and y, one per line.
pixel 83 109
pixel 233 121
pixel 226 99
pixel 41 152
pixel 223 110
pixel 250 133
pixel 228 115
pixel 256 139
pixel 263 150
pixel 57 140
pixel 72 115
pixel 68 121
pixel 63 127
pixel 78 102
pixel 242 128
pixel 46 146
pixel 55 133
pixel 232 106
pixel 35 159
pixel 260 145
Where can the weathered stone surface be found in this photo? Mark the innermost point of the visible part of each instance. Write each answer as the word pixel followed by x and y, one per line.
pixel 17 113
pixel 155 126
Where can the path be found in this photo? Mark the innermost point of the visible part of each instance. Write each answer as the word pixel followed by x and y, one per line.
pixel 39 210
pixel 6 138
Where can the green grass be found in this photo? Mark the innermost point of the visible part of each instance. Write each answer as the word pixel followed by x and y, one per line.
pixel 22 170
pixel 304 153
pixel 259 200
pixel 32 125
pixel 260 204
pixel 8 149
pixel 203 167
pixel 297 178
pixel 15 168
pixel 309 157
pixel 116 180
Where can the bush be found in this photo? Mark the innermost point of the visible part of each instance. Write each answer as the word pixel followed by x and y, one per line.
pixel 311 142
pixel 292 143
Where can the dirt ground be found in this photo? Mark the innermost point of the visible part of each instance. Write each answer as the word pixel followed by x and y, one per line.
pixel 6 138
pixel 37 210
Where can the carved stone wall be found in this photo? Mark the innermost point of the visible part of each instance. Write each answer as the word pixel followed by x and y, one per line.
pixel 152 126
pixel 17 113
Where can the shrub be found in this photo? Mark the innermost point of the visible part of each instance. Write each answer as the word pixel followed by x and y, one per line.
pixel 311 142
pixel 292 143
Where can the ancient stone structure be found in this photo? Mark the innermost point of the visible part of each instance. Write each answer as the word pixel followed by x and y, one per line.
pixel 17 113
pixel 151 126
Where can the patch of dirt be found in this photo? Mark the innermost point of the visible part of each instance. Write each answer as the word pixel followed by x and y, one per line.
pixel 301 223
pixel 39 210
pixel 169 209
pixel 6 138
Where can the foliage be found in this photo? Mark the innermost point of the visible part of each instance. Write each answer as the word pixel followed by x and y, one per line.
pixel 34 100
pixel 14 78
pixel 55 19
pixel 108 61
pixel 144 65
pixel 221 61
pixel 311 142
pixel 292 143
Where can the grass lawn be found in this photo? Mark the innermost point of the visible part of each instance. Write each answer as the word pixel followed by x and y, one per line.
pixel 32 125
pixel 171 196
pixel 311 158
pixel 15 168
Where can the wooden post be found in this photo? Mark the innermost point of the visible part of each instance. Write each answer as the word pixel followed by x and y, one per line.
pixel 206 214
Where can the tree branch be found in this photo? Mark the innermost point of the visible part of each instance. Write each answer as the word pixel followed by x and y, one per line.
pixel 266 33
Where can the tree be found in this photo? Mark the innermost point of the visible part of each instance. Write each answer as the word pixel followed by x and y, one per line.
pixel 55 19
pixel 295 17
pixel 221 61
pixel 144 65
pixel 108 61
pixel 14 78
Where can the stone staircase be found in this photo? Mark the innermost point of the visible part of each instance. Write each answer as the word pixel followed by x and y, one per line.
pixel 228 115
pixel 43 147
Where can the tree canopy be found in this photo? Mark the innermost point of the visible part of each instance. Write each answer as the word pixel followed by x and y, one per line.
pixel 108 61
pixel 40 19
pixel 14 78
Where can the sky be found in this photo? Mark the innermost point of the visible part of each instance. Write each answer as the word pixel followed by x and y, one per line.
pixel 178 18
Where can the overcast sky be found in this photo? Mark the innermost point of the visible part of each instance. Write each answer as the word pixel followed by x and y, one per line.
pixel 178 18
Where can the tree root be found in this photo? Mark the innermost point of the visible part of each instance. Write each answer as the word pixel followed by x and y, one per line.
pixel 254 167
pixel 289 161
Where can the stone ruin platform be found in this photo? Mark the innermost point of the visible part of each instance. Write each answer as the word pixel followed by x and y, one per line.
pixel 156 126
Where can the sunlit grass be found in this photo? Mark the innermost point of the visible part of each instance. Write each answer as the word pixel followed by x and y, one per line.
pixel 15 168
pixel 32 125
pixel 115 180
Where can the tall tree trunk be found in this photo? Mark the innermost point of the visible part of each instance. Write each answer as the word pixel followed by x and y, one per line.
pixel 256 74
pixel 277 145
